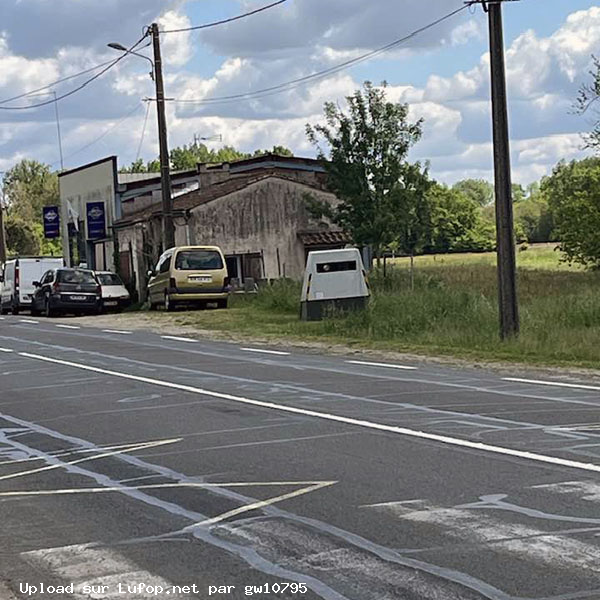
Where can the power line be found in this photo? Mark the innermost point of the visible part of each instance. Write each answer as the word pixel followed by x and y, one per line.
pixel 80 87
pixel 224 21
pixel 103 134
pixel 288 85
pixel 139 150
pixel 45 87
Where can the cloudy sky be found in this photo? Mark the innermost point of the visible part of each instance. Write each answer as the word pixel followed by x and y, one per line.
pixel 443 74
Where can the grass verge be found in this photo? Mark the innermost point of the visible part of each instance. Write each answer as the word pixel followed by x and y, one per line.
pixel 452 312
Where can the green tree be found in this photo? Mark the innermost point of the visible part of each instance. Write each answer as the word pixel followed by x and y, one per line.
pixel 28 187
pixel 479 191
pixel 367 167
pixel 573 193
pixel 589 93
pixel 518 192
pixel 280 150
pixel 457 222
pixel 139 166
pixel 21 236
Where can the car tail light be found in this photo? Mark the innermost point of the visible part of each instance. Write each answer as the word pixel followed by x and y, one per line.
pixel 17 276
pixel 99 290
pixel 55 287
pixel 226 283
pixel 173 283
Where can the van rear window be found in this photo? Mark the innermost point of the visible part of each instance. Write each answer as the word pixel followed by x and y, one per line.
pixel 198 260
pixel 336 267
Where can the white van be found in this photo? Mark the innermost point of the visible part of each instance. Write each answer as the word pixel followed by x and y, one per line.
pixel 333 280
pixel 17 277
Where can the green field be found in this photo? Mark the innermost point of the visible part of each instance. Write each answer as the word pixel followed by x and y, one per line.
pixel 537 256
pixel 452 311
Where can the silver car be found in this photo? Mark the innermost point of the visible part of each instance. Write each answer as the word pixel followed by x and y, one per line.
pixel 115 296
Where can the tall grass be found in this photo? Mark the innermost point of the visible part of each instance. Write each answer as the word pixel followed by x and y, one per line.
pixel 453 309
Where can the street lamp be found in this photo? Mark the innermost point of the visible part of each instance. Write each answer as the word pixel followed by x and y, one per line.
pixel 121 48
pixel 165 169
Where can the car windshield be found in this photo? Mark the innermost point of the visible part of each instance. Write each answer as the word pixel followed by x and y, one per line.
pixel 198 260
pixel 108 279
pixel 77 277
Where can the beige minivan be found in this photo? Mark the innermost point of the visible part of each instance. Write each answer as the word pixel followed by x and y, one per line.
pixel 189 275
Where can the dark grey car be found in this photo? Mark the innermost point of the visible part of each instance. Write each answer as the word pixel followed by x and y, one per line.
pixel 75 291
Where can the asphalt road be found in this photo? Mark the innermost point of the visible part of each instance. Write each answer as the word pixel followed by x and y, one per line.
pixel 131 459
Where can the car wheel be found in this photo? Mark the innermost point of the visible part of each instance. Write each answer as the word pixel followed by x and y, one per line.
pixel 3 310
pixel 170 306
pixel 35 312
pixel 222 303
pixel 14 309
pixel 48 310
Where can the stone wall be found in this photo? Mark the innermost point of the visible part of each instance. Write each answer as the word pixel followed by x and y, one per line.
pixel 264 217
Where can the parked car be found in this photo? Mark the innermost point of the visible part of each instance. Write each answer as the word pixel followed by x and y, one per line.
pixel 114 293
pixel 17 277
pixel 189 275
pixel 75 291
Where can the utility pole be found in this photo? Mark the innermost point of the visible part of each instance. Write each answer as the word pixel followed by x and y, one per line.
pixel 62 162
pixel 165 170
pixel 505 234
pixel 2 230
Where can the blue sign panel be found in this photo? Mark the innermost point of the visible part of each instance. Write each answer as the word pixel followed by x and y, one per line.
pixel 51 222
pixel 96 220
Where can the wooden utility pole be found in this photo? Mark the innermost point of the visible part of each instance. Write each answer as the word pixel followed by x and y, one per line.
pixel 3 253
pixel 165 170
pixel 505 233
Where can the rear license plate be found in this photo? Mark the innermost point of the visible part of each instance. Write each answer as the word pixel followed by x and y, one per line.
pixel 201 278
pixel 78 298
pixel 110 303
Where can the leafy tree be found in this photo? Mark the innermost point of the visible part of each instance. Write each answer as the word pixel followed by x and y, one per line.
pixel 457 223
pixel 29 186
pixel 589 93
pixel 479 191
pixel 21 236
pixel 367 167
pixel 152 166
pixel 280 150
pixel 518 192
pixel 573 192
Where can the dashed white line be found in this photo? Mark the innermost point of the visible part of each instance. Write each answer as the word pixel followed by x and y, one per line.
pixel 532 456
pixel 376 364
pixel 2 318
pixel 68 326
pixel 278 352
pixel 178 339
pixel 117 331
pixel 28 321
pixel 6 350
pixel 580 386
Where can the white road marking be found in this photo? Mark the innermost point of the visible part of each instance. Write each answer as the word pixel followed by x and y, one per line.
pixel 580 386
pixel 550 548
pixel 28 321
pixel 69 326
pixel 542 458
pixel 376 364
pixel 58 465
pixel 2 318
pixel 586 490
pixel 178 339
pixel 84 565
pixel 6 350
pixel 117 331
pixel 278 352
pixel 158 486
